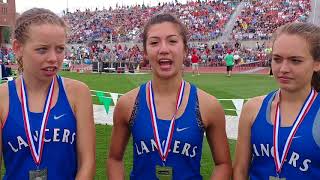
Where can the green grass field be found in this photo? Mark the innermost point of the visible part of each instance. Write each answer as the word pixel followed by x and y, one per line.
pixel 240 86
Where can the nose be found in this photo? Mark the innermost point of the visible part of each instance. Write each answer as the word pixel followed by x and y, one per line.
pixel 284 66
pixel 52 56
pixel 164 49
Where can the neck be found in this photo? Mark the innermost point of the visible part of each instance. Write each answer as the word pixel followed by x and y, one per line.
pixel 295 97
pixel 165 86
pixel 35 85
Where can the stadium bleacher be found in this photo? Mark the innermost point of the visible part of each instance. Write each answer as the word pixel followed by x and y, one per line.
pixel 205 21
pixel 113 36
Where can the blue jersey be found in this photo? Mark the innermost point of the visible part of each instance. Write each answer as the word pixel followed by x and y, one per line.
pixel 59 150
pixel 303 160
pixel 186 145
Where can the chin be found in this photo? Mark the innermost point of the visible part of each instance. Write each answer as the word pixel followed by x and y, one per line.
pixel 167 74
pixel 289 88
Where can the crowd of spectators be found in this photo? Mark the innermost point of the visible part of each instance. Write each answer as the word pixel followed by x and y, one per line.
pixel 92 31
pixel 208 54
pixel 213 55
pixel 6 58
pixel 114 55
pixel 204 20
pixel 259 19
pixel 6 55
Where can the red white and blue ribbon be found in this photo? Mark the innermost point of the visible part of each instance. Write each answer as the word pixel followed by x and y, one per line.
pixel 153 114
pixel 303 112
pixel 36 153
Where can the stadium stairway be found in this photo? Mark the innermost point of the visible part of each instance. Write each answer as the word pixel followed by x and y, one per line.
pixel 226 33
pixel 314 16
pixel 101 117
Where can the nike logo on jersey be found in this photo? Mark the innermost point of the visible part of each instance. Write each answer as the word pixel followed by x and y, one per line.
pixel 182 129
pixel 58 117
pixel 296 137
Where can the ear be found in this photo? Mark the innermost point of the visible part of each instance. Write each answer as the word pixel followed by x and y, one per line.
pixel 145 55
pixel 316 66
pixel 17 48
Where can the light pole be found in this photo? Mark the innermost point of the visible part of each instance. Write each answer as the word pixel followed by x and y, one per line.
pixel 67 10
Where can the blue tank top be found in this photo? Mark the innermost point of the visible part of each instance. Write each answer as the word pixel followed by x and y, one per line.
pixel 59 151
pixel 303 160
pixel 186 145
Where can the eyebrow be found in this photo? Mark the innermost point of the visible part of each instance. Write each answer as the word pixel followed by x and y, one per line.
pixel 36 46
pixel 291 57
pixel 156 37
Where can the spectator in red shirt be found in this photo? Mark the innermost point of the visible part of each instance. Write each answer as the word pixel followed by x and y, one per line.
pixel 195 63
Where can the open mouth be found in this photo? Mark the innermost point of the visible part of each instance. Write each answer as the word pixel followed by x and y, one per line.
pixel 50 69
pixel 165 62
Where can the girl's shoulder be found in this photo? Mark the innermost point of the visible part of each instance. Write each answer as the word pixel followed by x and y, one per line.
pixel 4 102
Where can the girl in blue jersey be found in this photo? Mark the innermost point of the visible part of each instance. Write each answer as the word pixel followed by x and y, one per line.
pixel 167 117
pixel 47 129
pixel 279 134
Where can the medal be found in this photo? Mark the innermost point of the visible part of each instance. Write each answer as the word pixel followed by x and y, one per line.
pixel 163 172
pixel 38 174
pixel 36 153
pixel 276 178
pixel 303 112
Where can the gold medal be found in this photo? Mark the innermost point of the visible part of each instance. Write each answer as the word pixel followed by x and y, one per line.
pixel 164 172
